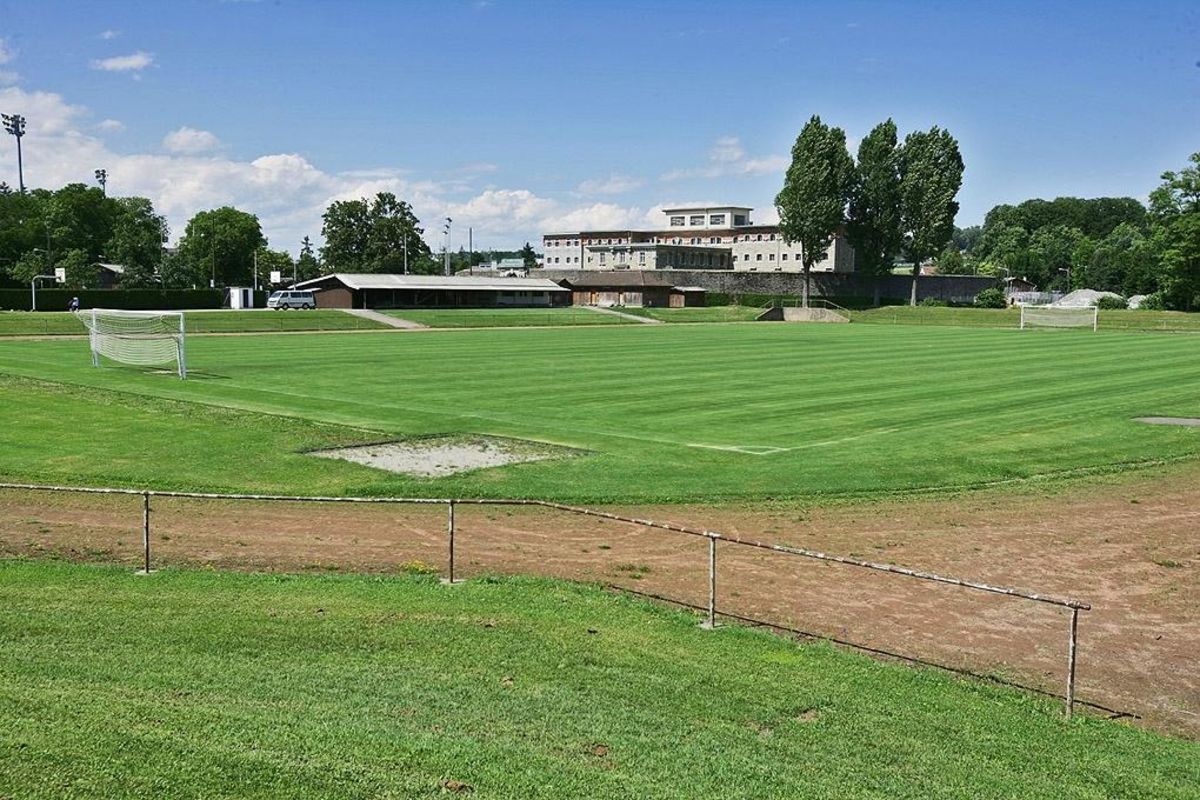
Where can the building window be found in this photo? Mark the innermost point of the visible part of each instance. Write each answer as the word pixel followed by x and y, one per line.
pixel 676 222
pixel 602 257
pixel 739 219
pixel 772 237
pixel 771 257
pixel 556 259
pixel 756 258
pixel 716 219
pixel 641 258
pixel 760 237
pixel 783 257
pixel 697 219
pixel 746 257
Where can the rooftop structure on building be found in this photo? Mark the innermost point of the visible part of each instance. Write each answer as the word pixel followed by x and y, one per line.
pixel 701 237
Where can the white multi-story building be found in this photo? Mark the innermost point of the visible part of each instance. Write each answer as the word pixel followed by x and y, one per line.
pixel 710 237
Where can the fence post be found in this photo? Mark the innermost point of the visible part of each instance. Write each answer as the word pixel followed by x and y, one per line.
pixel 710 621
pixel 450 580
pixel 1071 662
pixel 145 570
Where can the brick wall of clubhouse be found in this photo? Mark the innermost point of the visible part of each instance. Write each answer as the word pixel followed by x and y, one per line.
pixel 952 288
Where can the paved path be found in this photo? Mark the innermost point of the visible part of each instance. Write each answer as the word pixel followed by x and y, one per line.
pixel 394 322
pixel 623 315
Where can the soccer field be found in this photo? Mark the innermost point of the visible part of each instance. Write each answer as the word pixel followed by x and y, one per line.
pixel 664 413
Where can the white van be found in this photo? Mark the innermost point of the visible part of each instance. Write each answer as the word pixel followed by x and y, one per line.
pixel 291 298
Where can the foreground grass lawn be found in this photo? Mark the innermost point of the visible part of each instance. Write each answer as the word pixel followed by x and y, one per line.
pixel 203 685
pixel 663 413
pixel 506 317
pixel 24 323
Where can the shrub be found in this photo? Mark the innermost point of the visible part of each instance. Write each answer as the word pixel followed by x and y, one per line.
pixel 1107 303
pixel 992 297
pixel 934 302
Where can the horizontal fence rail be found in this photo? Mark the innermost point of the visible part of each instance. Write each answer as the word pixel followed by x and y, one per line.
pixel 1074 606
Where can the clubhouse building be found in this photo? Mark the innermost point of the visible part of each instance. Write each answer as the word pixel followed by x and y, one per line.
pixel 704 237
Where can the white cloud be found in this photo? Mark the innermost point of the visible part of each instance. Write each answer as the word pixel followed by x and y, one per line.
pixel 7 54
pixel 134 62
pixel 726 158
pixel 613 184
pixel 287 191
pixel 190 141
pixel 110 34
pixel 110 125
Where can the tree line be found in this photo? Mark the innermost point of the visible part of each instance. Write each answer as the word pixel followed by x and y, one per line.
pixel 78 226
pixel 1113 244
pixel 894 198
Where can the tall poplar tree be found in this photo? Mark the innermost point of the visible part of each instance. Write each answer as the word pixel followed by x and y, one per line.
pixel 931 170
pixel 873 228
pixel 812 203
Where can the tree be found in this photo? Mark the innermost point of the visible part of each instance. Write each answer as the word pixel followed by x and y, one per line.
pixel 307 266
pixel 528 256
pixel 372 236
pixel 812 203
pixel 1051 255
pixel 136 242
pixel 219 246
pixel 950 262
pixel 80 267
pixel 1175 206
pixel 873 228
pixel 931 170
pixel 274 261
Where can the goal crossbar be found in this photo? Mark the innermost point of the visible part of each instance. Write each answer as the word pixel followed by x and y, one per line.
pixel 139 338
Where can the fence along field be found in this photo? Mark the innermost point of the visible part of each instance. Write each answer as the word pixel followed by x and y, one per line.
pixel 664 413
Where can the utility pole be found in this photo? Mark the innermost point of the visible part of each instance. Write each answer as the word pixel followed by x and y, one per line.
pixel 102 179
pixel 15 124
pixel 470 251
pixel 406 251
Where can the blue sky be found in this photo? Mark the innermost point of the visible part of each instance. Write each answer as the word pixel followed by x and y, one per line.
pixel 517 118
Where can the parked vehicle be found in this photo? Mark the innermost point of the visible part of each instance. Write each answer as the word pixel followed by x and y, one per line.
pixel 288 298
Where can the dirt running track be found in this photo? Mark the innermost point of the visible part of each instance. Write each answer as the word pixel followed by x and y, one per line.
pixel 1130 548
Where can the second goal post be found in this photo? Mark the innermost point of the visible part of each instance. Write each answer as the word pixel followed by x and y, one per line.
pixel 1059 317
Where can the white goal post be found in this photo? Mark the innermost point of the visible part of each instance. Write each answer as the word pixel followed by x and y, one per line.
pixel 141 338
pixel 1059 317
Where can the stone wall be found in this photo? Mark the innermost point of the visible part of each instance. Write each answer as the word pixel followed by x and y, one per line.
pixel 952 288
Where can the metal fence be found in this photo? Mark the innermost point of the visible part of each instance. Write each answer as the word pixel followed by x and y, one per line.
pixel 711 612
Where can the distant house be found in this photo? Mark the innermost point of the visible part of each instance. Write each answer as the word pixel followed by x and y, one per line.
pixel 1013 285
pixel 108 275
pixel 367 290
pixel 631 288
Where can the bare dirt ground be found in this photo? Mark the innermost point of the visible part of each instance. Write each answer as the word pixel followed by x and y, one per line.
pixel 1128 546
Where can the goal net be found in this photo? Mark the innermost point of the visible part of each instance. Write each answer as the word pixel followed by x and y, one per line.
pixel 141 338
pixel 1058 317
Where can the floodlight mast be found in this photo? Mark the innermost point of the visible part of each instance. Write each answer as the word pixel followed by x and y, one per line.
pixel 15 125
pixel 102 179
pixel 446 250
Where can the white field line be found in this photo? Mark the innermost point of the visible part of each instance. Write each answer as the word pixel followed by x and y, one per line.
pixel 769 450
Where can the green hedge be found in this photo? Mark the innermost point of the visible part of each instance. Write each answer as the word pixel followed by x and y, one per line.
pixel 137 299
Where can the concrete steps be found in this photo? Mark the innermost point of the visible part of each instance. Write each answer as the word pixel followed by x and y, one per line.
pixel 789 314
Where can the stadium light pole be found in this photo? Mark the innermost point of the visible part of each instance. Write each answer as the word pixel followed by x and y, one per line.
pixel 446 250
pixel 102 179
pixel 15 125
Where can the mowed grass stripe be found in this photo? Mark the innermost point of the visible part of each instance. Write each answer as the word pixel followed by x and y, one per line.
pixel 859 408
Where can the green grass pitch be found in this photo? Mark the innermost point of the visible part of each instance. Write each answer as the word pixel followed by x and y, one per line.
pixel 666 413
pixel 204 685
